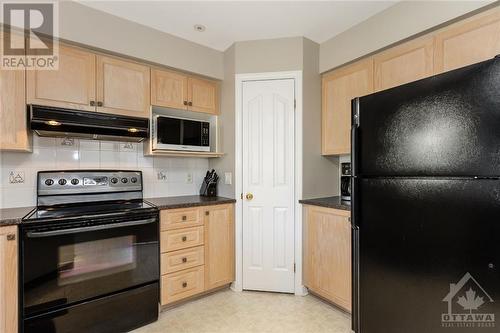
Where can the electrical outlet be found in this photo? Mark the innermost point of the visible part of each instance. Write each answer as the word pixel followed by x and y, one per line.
pixel 16 177
pixel 189 178
pixel 228 178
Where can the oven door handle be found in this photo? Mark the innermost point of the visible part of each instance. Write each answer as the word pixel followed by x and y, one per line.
pixel 39 234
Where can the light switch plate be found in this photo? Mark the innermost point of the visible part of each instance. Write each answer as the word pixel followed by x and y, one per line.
pixel 228 178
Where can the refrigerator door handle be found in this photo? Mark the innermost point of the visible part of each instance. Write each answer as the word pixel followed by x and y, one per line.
pixel 355 279
pixel 355 123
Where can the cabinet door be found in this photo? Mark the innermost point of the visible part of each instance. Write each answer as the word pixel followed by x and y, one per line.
pixel 14 133
pixel 169 89
pixel 123 87
pixel 219 245
pixel 467 42
pixel 203 96
pixel 8 279
pixel 71 86
pixel 339 88
pixel 327 254
pixel 404 63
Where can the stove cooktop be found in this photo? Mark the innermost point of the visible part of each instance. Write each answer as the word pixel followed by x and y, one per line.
pixel 87 209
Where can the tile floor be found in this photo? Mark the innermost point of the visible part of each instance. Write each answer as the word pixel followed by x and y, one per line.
pixel 246 312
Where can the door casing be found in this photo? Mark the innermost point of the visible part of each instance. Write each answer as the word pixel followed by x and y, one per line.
pixel 239 79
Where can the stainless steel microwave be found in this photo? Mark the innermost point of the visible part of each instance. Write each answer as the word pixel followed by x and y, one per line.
pixel 174 133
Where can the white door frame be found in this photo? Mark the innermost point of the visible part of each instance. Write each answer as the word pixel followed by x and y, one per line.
pixel 239 79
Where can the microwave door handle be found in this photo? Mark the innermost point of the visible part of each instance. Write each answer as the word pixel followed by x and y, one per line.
pixel 40 234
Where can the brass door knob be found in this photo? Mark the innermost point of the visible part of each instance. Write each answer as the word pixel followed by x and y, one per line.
pixel 249 196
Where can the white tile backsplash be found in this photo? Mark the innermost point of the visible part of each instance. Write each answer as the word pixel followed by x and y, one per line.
pixel 59 154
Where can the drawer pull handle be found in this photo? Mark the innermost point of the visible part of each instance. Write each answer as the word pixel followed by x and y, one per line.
pixel 184 284
pixel 184 259
pixel 184 217
pixel 184 238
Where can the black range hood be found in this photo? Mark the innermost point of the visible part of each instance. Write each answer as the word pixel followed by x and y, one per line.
pixel 58 122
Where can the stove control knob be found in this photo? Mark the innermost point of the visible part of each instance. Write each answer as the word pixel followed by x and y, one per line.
pixel 75 181
pixel 133 180
pixel 49 182
pixel 124 180
pixel 62 181
pixel 114 180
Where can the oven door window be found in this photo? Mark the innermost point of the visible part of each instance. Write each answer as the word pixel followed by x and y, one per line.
pixel 67 268
pixel 95 259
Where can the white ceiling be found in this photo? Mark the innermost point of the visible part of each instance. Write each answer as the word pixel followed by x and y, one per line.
pixel 230 21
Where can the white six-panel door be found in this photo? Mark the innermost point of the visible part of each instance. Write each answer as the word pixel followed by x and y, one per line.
pixel 268 176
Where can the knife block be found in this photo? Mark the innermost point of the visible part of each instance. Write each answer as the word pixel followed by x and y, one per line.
pixel 208 190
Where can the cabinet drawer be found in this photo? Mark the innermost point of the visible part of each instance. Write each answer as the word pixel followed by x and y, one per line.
pixel 172 240
pixel 182 259
pixel 180 218
pixel 179 285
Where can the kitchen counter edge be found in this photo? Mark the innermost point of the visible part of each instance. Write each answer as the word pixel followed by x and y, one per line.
pixel 328 202
pixel 188 201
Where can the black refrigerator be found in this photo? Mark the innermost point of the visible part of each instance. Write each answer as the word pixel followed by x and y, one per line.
pixel 426 205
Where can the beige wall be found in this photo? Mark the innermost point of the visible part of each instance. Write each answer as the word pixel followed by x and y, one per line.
pixel 320 174
pixel 269 55
pixel 226 126
pixel 91 27
pixel 394 24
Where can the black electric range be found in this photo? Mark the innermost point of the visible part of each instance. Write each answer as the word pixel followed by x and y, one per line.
pixel 88 251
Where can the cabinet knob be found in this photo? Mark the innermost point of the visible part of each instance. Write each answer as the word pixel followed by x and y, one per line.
pixel 190 103
pixel 92 103
pixel 185 102
pixel 207 213
pixel 184 217
pixel 184 284
pixel 184 259
pixel 11 237
pixel 100 103
pixel 184 238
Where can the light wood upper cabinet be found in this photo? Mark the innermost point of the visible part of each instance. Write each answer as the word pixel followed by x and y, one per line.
pixel 179 91
pixel 123 87
pixel 404 63
pixel 467 42
pixel 14 133
pixel 203 96
pixel 169 89
pixel 339 88
pixel 219 245
pixel 72 85
pixel 8 280
pixel 327 254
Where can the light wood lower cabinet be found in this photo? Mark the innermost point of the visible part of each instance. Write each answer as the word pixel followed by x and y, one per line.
pixel 197 250
pixel 219 246
pixel 327 254
pixel 8 279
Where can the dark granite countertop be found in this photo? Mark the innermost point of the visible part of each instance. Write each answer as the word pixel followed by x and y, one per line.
pixel 10 216
pixel 188 201
pixel 329 202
